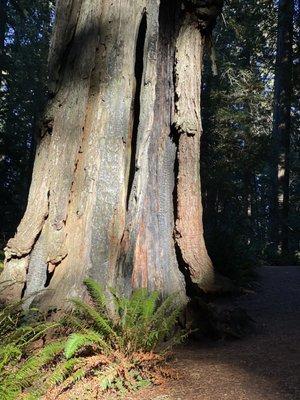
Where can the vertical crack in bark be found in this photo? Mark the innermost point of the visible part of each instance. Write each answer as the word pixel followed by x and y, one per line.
pixel 138 73
pixel 49 276
pixel 23 290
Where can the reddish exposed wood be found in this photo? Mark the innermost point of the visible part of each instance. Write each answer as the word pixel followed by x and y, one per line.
pixel 189 225
pixel 140 271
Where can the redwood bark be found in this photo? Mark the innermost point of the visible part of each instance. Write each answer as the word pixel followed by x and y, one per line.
pixel 189 226
pixel 104 199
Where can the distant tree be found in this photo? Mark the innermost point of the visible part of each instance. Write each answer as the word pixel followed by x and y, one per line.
pixel 281 134
pixel 294 204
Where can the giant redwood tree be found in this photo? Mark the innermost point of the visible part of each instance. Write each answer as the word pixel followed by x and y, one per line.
pixel 115 191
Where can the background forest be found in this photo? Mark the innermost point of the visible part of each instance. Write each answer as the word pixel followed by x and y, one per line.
pixel 238 142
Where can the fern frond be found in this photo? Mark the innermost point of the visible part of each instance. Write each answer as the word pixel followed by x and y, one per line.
pixel 162 322
pixel 121 307
pixel 77 341
pixel 34 395
pixel 8 353
pixel 130 310
pixel 102 323
pixel 24 376
pixel 63 371
pixel 136 305
pixel 108 376
pixel 167 306
pixel 96 293
pixel 169 322
pixel 75 320
pixel 149 305
pixel 78 375
pixel 9 392
pixel 52 350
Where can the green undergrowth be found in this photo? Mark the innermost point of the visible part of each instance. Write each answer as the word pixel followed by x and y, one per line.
pixel 122 353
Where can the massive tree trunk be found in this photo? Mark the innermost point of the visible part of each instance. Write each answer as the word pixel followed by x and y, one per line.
pixel 116 192
pixel 280 154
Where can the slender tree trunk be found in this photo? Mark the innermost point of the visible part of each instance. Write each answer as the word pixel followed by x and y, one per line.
pixel 124 118
pixel 280 154
pixel 250 205
pixel 3 23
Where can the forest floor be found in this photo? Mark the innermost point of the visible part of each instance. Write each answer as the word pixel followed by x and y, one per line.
pixel 265 365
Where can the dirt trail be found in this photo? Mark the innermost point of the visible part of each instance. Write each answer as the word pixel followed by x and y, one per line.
pixel 264 366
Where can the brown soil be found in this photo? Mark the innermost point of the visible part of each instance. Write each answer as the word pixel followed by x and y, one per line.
pixel 263 366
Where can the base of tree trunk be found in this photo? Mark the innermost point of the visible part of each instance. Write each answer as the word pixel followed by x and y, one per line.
pixel 116 191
